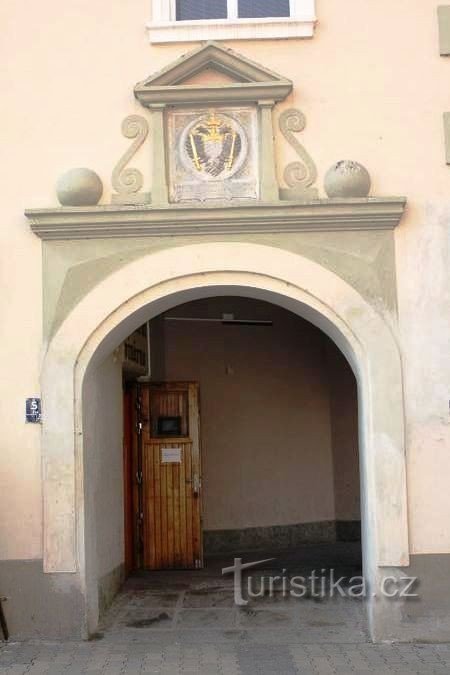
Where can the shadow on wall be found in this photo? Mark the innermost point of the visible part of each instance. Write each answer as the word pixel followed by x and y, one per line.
pixel 279 424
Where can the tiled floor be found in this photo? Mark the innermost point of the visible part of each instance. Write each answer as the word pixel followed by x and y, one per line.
pixel 199 605
pixel 130 656
pixel 187 622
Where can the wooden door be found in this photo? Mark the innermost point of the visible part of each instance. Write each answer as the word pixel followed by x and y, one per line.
pixel 170 486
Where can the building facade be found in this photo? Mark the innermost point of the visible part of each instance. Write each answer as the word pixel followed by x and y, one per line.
pixel 298 160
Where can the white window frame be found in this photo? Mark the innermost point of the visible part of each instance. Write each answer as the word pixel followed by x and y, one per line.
pixel 164 27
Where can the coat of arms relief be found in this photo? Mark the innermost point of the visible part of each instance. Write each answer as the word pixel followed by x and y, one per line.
pixel 213 142
pixel 213 154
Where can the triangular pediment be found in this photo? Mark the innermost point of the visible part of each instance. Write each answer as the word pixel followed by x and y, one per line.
pixel 209 77
pixel 212 74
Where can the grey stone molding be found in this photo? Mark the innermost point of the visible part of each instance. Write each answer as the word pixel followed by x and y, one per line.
pixel 444 29
pixel 128 182
pixel 447 136
pixel 140 220
pixel 252 82
pixel 301 175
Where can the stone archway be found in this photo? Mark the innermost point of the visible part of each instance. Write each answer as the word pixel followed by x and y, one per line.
pixel 153 284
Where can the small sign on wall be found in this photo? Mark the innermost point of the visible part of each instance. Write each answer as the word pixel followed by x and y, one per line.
pixel 33 413
pixel 170 455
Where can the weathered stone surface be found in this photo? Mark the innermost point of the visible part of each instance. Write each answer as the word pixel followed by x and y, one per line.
pixel 347 179
pixel 79 187
pixel 40 605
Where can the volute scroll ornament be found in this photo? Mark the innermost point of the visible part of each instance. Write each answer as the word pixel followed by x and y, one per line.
pixel 300 175
pixel 127 182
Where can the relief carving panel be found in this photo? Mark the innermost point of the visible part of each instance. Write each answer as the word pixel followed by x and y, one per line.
pixel 213 154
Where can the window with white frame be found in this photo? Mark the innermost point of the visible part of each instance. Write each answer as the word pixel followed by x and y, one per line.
pixel 196 10
pixel 184 20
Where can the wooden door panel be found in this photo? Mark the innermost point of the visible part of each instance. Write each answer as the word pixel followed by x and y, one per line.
pixel 171 499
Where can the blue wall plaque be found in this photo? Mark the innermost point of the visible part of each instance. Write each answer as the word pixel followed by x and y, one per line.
pixel 33 410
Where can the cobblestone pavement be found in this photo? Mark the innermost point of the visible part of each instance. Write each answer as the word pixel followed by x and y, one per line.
pixel 135 658
pixel 176 623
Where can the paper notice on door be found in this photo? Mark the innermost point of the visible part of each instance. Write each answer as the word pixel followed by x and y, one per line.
pixel 170 455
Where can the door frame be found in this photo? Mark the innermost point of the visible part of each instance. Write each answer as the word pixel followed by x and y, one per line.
pixel 130 557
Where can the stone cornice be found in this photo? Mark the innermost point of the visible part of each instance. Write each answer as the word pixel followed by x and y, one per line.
pixel 65 223
pixel 190 94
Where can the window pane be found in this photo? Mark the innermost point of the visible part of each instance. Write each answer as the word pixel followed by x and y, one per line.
pixel 249 9
pixel 201 9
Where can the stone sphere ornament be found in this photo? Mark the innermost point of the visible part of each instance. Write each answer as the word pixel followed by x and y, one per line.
pixel 347 179
pixel 79 187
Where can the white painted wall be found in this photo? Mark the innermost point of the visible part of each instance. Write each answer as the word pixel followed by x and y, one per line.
pixel 103 425
pixel 265 413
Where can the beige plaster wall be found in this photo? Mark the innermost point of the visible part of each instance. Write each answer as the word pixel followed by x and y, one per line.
pixel 265 413
pixel 103 435
pixel 373 88
pixel 344 434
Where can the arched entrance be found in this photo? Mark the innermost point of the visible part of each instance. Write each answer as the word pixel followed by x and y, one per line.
pixel 145 288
